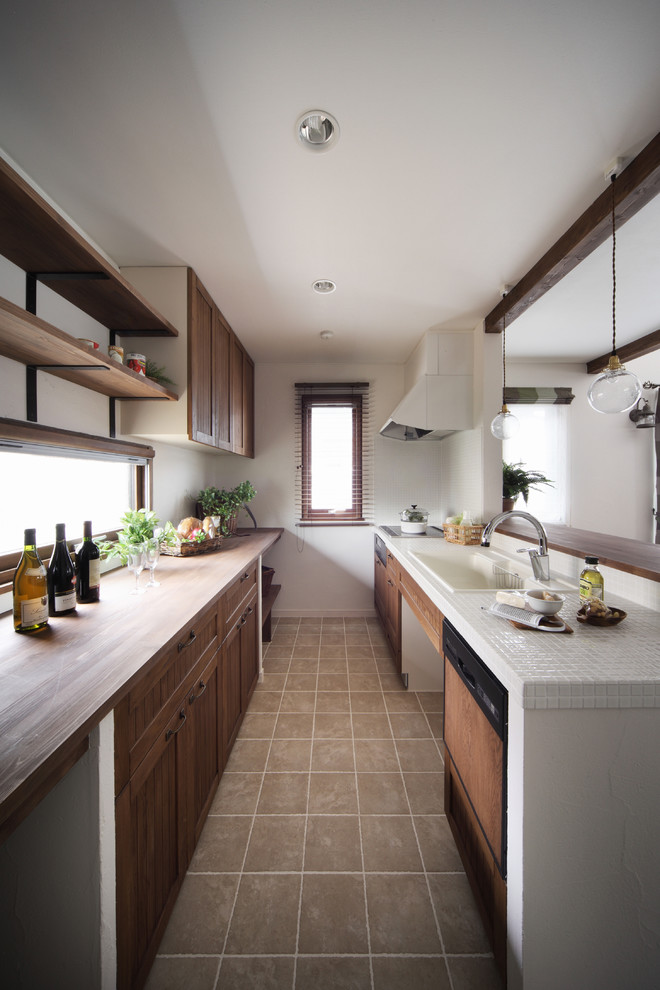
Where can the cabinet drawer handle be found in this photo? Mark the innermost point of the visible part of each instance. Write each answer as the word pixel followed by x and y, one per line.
pixel 173 732
pixel 245 576
pixel 390 582
pixel 250 610
pixel 469 678
pixel 191 640
pixel 192 697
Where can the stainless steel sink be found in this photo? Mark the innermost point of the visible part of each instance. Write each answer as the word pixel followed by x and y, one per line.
pixel 479 569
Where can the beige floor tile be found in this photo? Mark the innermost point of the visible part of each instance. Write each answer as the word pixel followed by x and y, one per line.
pixel 311 622
pixel 364 682
pixel 305 652
pixel 398 973
pixel 419 755
pixel 400 914
pixel 332 726
pixel 284 833
pixel 460 923
pixel 436 724
pixel 439 851
pixel 272 682
pixel 265 701
pixel 290 754
pixel 376 756
pixel 294 726
pixel 381 650
pixel 391 682
pixel 333 843
pixel 258 725
pixel 304 665
pixel 301 682
pixel 336 652
pixel 332 701
pixel 276 666
pixel 332 682
pixel 183 973
pixel 474 973
pixel 425 792
pixel 278 652
pixel 237 794
pixel 284 794
pixel 265 917
pixel 222 844
pixel 409 725
pixel 333 638
pixel 308 637
pixel 361 665
pixel 332 794
pixel 390 844
pixel 201 914
pixel 298 701
pixel 332 665
pixel 358 651
pixel 401 701
pixel 333 973
pixel 256 973
pixel 333 917
pixel 248 754
pixel 368 725
pixel 381 794
pixel 333 754
pixel 431 701
pixel 367 702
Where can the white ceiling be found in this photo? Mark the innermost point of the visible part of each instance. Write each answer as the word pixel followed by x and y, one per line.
pixel 472 134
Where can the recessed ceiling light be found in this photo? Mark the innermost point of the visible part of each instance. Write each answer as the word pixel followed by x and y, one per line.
pixel 317 130
pixel 324 285
pixel 326 334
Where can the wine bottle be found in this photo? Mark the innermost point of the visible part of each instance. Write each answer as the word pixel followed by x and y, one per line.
pixel 88 568
pixel 61 577
pixel 30 589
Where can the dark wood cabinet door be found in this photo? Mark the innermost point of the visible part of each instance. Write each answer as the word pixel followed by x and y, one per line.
pixel 232 710
pixel 222 340
pixel 204 753
pixel 380 586
pixel 242 400
pixel 249 651
pixel 151 851
pixel 202 408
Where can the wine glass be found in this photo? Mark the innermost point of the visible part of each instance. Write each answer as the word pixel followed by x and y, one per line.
pixel 136 562
pixel 151 555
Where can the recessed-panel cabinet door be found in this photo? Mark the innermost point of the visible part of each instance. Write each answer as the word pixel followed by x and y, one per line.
pixel 249 651
pixel 232 709
pixel 202 407
pixel 205 751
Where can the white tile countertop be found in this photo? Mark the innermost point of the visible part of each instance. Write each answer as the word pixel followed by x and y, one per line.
pixel 594 667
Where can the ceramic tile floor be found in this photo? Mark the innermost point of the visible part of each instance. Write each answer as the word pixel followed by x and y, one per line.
pixel 326 862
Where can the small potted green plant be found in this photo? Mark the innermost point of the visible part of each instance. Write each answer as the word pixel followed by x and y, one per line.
pixel 517 480
pixel 225 504
pixel 157 374
pixel 139 525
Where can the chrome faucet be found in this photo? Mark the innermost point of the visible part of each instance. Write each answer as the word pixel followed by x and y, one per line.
pixel 539 558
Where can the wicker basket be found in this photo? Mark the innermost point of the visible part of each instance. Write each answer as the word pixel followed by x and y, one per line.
pixel 193 549
pixel 467 536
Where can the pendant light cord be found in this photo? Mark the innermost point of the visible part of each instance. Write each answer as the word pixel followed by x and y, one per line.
pixel 503 356
pixel 613 270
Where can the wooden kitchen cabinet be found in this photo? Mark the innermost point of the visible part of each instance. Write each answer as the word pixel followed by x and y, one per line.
pixel 208 360
pixel 168 761
pixel 388 601
pixel 240 652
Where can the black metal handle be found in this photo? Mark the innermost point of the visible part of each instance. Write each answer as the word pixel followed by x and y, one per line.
pixel 173 732
pixel 191 640
pixel 245 576
pixel 467 676
pixel 192 697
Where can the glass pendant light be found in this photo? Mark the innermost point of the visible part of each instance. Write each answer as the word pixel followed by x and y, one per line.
pixel 615 390
pixel 505 425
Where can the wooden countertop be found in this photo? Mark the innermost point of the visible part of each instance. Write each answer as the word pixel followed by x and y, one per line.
pixel 59 684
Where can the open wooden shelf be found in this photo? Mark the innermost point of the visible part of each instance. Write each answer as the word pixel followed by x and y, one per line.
pixel 267 603
pixel 34 236
pixel 33 341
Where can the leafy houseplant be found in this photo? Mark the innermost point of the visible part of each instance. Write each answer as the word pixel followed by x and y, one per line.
pixel 138 525
pixel 157 374
pixel 226 503
pixel 516 480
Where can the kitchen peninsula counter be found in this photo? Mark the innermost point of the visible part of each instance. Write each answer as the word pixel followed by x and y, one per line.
pixel 582 786
pixel 58 685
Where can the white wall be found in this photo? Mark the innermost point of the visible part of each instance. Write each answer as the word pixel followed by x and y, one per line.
pixel 612 464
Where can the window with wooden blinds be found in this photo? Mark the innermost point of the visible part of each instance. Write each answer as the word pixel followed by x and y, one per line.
pixel 334 453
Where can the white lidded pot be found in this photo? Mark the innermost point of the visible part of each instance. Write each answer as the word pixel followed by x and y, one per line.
pixel 413 519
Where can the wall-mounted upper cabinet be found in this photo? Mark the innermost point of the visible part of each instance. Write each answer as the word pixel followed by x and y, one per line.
pixel 213 372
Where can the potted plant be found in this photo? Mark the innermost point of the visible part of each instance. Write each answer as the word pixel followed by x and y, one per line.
pixel 139 525
pixel 157 374
pixel 225 504
pixel 517 480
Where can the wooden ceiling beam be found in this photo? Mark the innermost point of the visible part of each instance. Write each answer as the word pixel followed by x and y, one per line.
pixel 636 348
pixel 636 185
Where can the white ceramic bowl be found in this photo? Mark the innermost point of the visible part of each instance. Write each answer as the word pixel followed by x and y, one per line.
pixel 549 606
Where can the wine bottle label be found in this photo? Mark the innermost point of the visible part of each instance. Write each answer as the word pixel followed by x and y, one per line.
pixel 34 610
pixel 95 573
pixel 65 601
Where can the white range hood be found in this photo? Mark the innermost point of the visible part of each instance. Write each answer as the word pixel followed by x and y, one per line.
pixel 440 400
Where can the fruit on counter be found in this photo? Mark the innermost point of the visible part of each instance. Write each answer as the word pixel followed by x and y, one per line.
pixel 30 589
pixel 209 527
pixel 187 526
